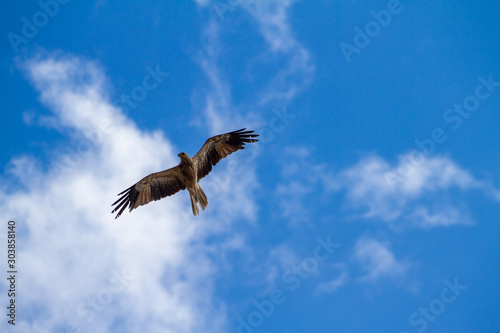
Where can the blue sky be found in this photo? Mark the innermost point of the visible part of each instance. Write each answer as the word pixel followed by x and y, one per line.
pixel 370 204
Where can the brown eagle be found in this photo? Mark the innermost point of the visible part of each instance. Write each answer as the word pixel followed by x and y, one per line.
pixel 185 175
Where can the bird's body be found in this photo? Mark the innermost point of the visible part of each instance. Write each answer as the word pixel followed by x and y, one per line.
pixel 190 178
pixel 188 170
pixel 185 175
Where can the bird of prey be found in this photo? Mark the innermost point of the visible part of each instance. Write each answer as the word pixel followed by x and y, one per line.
pixel 185 175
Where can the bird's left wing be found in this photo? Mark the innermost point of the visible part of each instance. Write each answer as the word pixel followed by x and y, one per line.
pixel 220 146
pixel 153 187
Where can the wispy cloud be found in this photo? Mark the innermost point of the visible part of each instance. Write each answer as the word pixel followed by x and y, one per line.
pixel 431 196
pixel 304 181
pixel 216 95
pixel 370 261
pixel 276 28
pixel 428 198
pixel 282 84
pixel 332 286
pixel 377 260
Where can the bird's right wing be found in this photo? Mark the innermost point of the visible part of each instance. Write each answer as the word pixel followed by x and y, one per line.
pixel 153 187
pixel 219 147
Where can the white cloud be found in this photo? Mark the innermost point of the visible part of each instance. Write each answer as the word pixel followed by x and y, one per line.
pixel 279 259
pixel 377 260
pixel 274 23
pixel 72 247
pixel 291 76
pixel 448 216
pixel 426 195
pixel 371 261
pixel 303 186
pixel 335 284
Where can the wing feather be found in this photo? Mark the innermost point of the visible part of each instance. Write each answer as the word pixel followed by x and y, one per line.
pixel 219 147
pixel 151 188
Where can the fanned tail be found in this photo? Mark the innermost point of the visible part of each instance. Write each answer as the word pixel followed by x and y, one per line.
pixel 197 196
pixel 201 197
pixel 194 202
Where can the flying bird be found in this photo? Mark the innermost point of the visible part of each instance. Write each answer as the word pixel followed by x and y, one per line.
pixel 186 174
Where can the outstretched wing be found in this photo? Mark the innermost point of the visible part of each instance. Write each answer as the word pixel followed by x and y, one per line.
pixel 220 146
pixel 153 187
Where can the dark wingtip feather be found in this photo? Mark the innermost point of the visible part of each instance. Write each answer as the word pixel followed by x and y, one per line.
pixel 242 137
pixel 125 190
pixel 122 202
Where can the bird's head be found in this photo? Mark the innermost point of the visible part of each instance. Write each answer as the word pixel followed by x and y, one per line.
pixel 183 156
